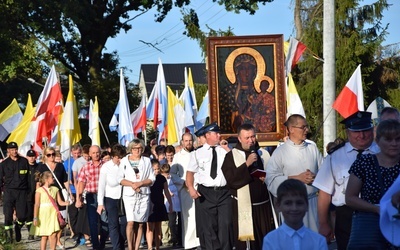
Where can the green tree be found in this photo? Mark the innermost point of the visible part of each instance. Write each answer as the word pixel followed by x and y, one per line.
pixel 359 34
pixel 20 58
pixel 75 32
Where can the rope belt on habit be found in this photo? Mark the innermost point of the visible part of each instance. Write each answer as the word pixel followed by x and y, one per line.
pixel 254 204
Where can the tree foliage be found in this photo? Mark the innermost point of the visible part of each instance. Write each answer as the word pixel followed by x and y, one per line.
pixel 359 34
pixel 74 33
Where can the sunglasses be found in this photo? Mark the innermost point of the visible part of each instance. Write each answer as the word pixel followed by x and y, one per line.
pixel 53 154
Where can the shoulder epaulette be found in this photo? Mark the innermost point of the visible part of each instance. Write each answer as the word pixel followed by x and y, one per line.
pixel 336 148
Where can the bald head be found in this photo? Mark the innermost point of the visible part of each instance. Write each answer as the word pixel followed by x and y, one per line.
pixel 94 153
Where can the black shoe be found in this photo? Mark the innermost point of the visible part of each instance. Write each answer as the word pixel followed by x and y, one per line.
pixel 31 237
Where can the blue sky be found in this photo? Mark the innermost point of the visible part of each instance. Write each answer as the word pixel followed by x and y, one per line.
pixel 273 18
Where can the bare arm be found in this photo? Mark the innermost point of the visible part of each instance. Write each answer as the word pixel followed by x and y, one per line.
pixel 79 192
pixel 325 229
pixel 136 185
pixel 352 196
pixel 190 184
pixel 60 201
pixel 36 209
pixel 75 177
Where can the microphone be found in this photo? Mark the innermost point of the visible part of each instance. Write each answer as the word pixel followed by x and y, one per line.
pixel 253 150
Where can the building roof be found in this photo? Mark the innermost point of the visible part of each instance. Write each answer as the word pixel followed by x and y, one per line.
pixel 174 75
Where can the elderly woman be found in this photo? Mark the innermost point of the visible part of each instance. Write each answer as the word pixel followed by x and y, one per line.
pixel 370 178
pixel 136 176
pixel 60 178
pixel 109 193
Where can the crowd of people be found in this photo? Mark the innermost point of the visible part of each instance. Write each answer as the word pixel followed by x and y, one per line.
pixel 213 195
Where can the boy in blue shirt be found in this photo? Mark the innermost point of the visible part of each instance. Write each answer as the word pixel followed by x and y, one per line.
pixel 292 202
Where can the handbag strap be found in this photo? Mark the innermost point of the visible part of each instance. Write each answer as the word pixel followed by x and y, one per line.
pixel 55 177
pixel 378 172
pixel 52 200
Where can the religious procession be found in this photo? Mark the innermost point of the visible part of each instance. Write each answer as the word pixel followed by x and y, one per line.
pixel 218 155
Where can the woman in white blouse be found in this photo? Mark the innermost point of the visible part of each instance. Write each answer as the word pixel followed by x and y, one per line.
pixel 109 193
pixel 136 176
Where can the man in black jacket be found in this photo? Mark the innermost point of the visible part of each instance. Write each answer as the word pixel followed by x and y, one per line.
pixel 14 173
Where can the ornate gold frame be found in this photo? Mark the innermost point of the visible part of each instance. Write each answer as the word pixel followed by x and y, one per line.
pixel 267 57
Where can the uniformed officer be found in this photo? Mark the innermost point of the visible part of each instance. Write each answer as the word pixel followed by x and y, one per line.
pixel 201 139
pixel 14 172
pixel 31 156
pixel 333 176
pixel 212 197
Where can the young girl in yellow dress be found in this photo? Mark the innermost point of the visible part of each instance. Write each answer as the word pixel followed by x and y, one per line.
pixel 45 222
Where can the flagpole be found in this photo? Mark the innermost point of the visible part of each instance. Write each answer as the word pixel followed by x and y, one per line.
pixel 2 154
pixel 68 188
pixel 145 137
pixel 104 131
pixel 320 126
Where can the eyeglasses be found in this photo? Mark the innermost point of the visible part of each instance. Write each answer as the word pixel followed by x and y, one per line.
pixel 302 127
pixel 53 154
pixel 137 148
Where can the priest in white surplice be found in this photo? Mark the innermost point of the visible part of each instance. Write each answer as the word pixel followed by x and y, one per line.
pixel 178 176
pixel 300 159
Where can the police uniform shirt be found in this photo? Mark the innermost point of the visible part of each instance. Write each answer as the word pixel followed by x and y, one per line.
pixel 200 163
pixel 15 173
pixel 334 174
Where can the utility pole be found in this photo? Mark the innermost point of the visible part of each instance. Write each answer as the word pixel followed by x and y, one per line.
pixel 329 73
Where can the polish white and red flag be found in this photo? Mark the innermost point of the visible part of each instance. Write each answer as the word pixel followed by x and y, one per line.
pixel 48 109
pixel 351 98
pixel 138 117
pixel 293 55
pixel 156 107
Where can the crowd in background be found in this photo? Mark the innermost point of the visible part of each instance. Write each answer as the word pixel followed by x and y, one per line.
pixel 206 193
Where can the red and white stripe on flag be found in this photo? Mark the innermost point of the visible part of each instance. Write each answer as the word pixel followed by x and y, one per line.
pixel 48 107
pixel 351 98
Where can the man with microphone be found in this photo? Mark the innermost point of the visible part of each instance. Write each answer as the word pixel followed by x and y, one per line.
pixel 244 172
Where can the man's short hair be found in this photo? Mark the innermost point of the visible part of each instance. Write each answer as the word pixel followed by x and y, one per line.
pixel 76 147
pixel 294 187
pixel 190 134
pixel 246 126
pixel 118 150
pixel 160 149
pixel 170 149
pixel 85 148
pixel 390 111
pixel 292 120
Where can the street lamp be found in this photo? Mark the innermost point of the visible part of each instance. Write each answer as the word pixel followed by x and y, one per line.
pixel 35 82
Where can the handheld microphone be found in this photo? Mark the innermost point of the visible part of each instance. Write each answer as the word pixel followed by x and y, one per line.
pixel 253 150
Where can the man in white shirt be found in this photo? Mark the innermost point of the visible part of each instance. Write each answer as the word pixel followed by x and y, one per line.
pixel 178 175
pixel 333 176
pixel 299 159
pixel 212 197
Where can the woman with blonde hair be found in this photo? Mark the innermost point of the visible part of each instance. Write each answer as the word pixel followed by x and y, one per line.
pixel 136 176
